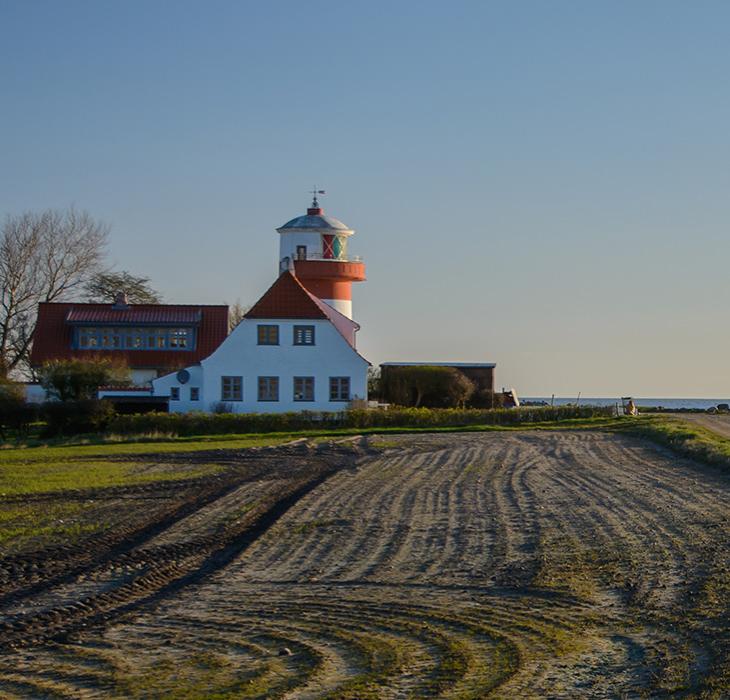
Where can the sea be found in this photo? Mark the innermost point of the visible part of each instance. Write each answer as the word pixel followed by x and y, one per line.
pixel 701 404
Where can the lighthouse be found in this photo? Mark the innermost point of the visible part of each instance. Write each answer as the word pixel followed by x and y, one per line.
pixel 314 247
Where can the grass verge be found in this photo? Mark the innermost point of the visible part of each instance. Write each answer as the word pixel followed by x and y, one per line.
pixel 685 439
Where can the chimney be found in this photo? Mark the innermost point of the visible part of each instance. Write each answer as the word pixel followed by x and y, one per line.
pixel 120 301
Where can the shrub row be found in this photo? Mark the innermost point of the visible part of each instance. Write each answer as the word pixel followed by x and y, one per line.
pixel 76 417
pixel 186 424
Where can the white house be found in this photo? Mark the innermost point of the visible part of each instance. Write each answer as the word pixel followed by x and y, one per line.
pixel 291 352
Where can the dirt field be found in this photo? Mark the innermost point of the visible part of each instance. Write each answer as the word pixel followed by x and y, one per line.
pixel 506 565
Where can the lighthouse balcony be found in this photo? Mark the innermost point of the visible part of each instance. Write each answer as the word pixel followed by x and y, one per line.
pixel 352 269
pixel 309 255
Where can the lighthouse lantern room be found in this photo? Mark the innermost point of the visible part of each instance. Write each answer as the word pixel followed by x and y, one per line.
pixel 314 247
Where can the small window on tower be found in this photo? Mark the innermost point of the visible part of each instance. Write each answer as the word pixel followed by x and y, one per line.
pixel 340 247
pixel 301 252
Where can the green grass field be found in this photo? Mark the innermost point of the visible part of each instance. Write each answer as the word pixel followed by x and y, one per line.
pixel 96 462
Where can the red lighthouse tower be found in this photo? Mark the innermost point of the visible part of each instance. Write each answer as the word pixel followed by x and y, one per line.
pixel 316 246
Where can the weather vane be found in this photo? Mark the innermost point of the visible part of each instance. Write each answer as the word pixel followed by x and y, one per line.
pixel 314 194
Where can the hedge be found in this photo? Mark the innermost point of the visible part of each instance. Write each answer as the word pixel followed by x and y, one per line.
pixel 76 417
pixel 186 424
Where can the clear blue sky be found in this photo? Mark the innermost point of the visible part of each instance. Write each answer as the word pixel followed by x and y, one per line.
pixel 540 184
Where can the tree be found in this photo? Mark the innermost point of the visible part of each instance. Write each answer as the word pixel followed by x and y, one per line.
pixel 43 257
pixel 75 380
pixel 105 286
pixel 236 314
pixel 425 385
pixel 374 382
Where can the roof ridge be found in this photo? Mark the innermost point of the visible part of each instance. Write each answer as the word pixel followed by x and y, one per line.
pixel 110 305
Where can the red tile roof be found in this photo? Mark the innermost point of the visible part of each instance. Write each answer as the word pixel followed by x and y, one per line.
pixel 162 315
pixel 54 333
pixel 286 298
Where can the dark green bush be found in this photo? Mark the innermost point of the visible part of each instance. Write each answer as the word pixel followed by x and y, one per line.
pixel 15 413
pixel 77 417
pixel 186 424
pixel 425 385
pixel 75 380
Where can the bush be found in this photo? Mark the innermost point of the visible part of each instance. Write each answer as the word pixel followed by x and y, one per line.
pixel 484 398
pixel 74 380
pixel 15 412
pixel 76 417
pixel 186 424
pixel 425 385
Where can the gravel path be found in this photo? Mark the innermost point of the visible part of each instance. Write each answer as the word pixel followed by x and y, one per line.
pixel 719 424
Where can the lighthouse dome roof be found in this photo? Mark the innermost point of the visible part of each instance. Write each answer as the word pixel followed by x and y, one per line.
pixel 315 220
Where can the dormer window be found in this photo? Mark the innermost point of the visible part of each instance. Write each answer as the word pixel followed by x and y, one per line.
pixel 134 338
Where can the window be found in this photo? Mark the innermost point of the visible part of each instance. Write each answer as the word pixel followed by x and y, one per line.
pixel 231 388
pixel 303 335
pixel 175 393
pixel 304 388
pixel 268 388
pixel 178 338
pixel 194 393
pixel 339 388
pixel 126 338
pixel 339 247
pixel 268 335
pixel 301 252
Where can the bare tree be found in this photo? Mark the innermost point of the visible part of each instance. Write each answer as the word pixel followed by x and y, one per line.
pixel 105 286
pixel 236 314
pixel 44 256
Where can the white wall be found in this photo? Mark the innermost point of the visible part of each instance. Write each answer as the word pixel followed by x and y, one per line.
pixel 141 377
pixel 344 306
pixel 289 242
pixel 240 355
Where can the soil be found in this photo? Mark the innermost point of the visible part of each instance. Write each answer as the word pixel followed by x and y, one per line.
pixel 507 565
